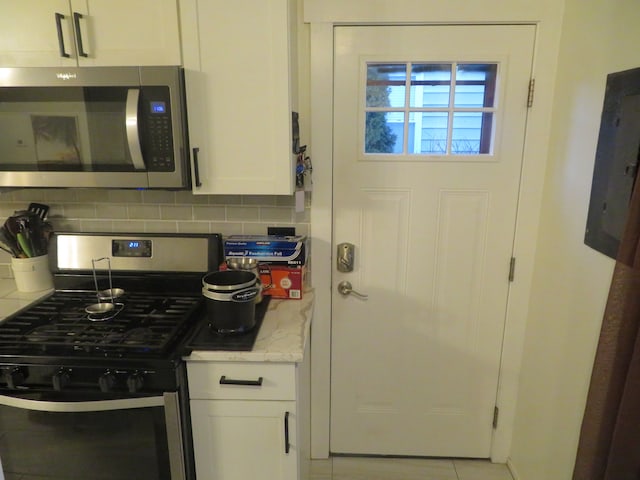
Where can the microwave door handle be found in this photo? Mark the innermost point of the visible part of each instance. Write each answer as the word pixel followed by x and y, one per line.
pixel 133 132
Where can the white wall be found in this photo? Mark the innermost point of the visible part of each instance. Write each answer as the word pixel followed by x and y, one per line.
pixel 571 280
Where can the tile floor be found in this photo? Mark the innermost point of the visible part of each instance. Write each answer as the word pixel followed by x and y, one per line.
pixel 363 468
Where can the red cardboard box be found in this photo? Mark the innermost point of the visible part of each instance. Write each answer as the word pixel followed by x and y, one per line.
pixel 280 281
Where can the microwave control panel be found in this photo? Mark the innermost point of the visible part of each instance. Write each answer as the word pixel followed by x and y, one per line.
pixel 158 133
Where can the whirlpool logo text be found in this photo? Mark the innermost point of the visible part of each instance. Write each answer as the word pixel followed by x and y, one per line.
pixel 66 76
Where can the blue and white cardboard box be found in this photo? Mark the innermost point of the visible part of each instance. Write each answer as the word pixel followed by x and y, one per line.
pixel 274 249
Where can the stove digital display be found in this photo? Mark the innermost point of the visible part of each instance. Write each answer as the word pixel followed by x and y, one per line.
pixel 131 248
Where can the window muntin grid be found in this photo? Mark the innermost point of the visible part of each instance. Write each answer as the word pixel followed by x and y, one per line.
pixel 430 108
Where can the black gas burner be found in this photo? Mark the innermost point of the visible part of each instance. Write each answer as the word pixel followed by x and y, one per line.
pixel 140 323
pixel 205 338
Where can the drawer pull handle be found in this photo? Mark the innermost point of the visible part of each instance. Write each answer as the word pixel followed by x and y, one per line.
pixel 287 445
pixel 230 381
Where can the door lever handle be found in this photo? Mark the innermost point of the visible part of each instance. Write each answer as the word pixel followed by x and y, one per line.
pixel 345 288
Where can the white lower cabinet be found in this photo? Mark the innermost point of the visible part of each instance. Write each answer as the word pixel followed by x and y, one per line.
pixel 249 420
pixel 239 440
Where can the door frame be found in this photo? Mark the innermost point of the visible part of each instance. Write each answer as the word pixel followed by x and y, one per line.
pixel 530 200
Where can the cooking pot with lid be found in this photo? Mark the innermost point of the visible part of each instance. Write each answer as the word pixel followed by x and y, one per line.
pixel 251 265
pixel 231 300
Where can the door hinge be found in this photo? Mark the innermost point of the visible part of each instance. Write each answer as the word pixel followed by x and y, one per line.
pixel 532 87
pixel 512 269
pixel 496 412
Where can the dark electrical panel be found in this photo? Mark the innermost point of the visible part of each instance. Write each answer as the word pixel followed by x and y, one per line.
pixel 616 165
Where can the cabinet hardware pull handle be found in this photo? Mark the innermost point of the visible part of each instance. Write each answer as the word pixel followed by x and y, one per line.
pixel 287 445
pixel 59 18
pixel 231 381
pixel 196 168
pixel 76 21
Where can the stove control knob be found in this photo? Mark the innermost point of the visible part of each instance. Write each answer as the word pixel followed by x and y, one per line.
pixel 61 379
pixel 135 382
pixel 106 381
pixel 15 376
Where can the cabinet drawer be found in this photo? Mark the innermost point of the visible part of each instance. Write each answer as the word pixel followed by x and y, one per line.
pixel 242 381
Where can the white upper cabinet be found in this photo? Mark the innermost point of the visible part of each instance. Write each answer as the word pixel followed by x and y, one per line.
pixel 239 61
pixel 51 33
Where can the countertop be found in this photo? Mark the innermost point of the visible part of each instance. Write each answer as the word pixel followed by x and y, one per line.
pixel 282 336
pixel 12 301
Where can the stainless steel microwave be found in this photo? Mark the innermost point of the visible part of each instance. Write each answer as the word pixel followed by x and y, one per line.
pixel 100 127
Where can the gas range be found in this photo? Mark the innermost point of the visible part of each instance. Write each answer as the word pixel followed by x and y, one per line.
pixel 134 347
pixel 94 371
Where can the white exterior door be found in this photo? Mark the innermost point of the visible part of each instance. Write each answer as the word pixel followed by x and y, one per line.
pixel 429 125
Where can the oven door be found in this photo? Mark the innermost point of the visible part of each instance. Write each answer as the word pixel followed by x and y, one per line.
pixel 64 436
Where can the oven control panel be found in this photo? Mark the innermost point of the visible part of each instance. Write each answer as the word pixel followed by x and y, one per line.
pixel 78 252
pixel 85 379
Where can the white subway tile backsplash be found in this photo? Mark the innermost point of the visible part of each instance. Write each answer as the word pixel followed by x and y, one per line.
pixel 210 213
pixel 185 197
pixel 243 214
pixel 225 199
pixel 114 210
pixel 158 196
pixel 285 201
pixel 95 226
pixel 128 226
pixel 98 195
pixel 56 195
pixel 160 226
pixel 194 227
pixel 174 212
pixel 227 228
pixel 275 214
pixel 256 228
pixel 79 210
pixel 127 196
pixel 144 211
pixel 259 200
pixel 129 211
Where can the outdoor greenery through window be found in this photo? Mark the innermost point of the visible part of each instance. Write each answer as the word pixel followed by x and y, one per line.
pixel 430 108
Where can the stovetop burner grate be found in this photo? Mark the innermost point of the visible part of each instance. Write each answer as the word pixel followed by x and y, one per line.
pixel 59 325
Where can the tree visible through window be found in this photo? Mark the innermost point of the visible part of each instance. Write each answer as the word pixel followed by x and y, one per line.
pixel 430 109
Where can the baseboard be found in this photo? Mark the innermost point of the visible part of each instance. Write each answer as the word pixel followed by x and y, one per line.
pixel 512 469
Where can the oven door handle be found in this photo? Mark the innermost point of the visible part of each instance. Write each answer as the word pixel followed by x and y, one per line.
pixel 90 406
pixel 133 132
pixel 174 436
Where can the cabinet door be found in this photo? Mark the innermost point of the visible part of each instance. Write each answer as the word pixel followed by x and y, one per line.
pixel 126 32
pixel 238 80
pixel 31 35
pixel 240 440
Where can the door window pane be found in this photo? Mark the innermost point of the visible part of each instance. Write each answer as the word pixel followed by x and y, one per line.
pixel 386 84
pixel 430 135
pixel 467 137
pixel 475 85
pixel 384 132
pixel 430 85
